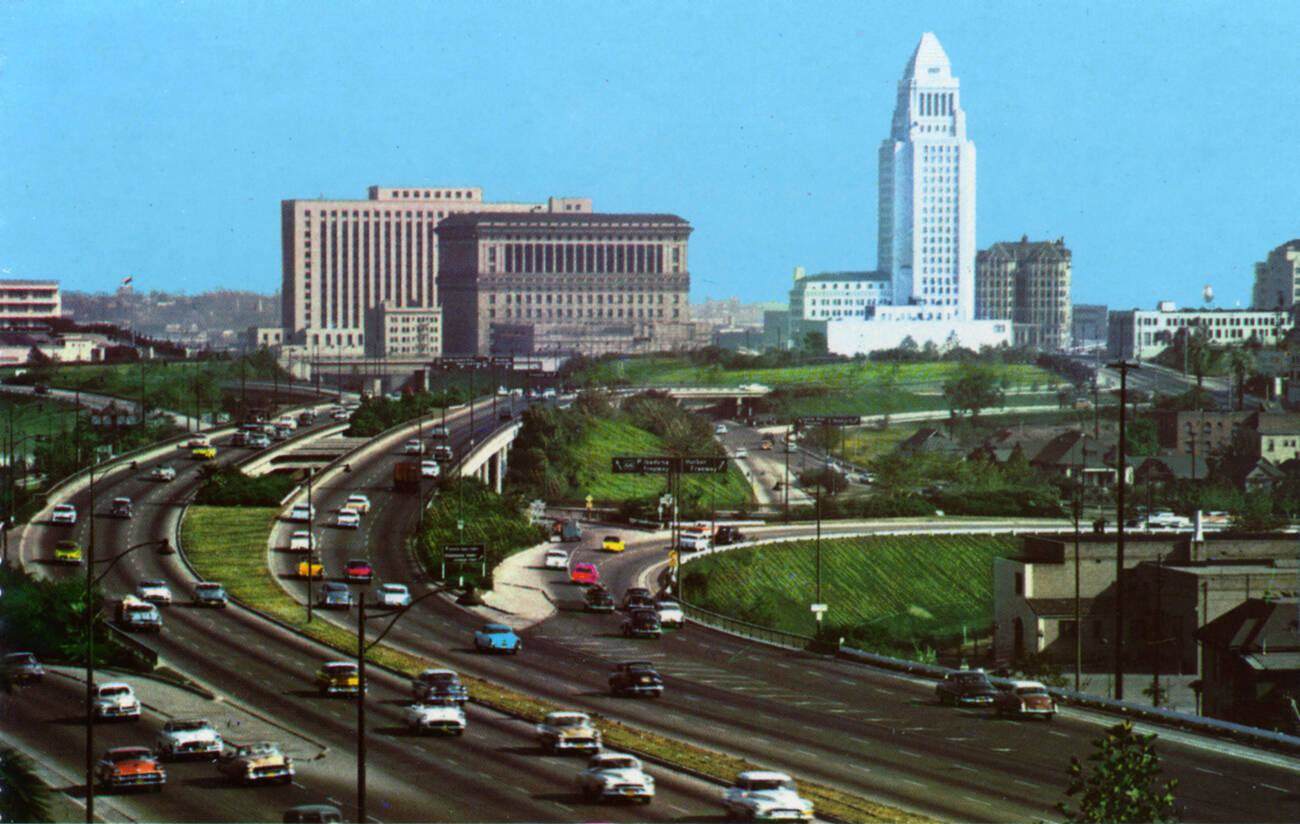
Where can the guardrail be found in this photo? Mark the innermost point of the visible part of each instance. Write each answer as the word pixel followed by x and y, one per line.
pixel 734 626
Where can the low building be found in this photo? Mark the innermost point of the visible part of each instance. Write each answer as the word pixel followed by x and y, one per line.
pixel 928 440
pixel 1209 431
pixel 1252 664
pixel 837 295
pixel 1137 334
pixel 263 337
pixel 1166 469
pixel 1088 325
pixel 403 332
pixel 114 416
pixel 888 329
pixel 739 339
pixel 29 304
pixel 1274 436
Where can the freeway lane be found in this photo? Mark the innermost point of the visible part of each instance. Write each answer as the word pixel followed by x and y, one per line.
pixel 493 773
pixel 850 726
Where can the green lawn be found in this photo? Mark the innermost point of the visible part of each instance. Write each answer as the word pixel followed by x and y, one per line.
pixel 863 445
pixel 607 438
pixel 46 417
pixel 892 593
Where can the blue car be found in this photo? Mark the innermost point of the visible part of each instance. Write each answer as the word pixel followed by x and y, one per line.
pixel 497 638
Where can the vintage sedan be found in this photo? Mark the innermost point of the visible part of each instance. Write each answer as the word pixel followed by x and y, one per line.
pixel 358 570
pixel 347 518
pixel 1025 699
pixel 64 515
pixel 966 688
pixel 438 683
pixel 598 599
pixel 188 738
pixel 22 668
pixel 311 567
pixel 642 623
pixel 124 768
pixel 155 591
pixel 67 552
pixel 444 715
pixel 761 795
pixel 162 473
pixel 636 678
pixel 670 613
pixel 301 541
pixel 584 574
pixel 358 502
pixel 259 763
pixel 565 732
pixel 338 678
pixel 394 595
pixel 210 594
pixel 335 595
pixel 612 543
pixel 556 559
pixel 497 638
pixel 611 776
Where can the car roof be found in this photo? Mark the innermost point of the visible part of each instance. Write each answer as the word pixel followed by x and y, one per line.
pixel 352 561
pixel 207 584
pixel 1017 685
pixel 567 714
pixel 763 775
pixel 131 748
pixel 339 664
pixel 495 626
pixel 394 587
pixel 112 685
pixel 630 664
pixel 64 506
pixel 153 582
pixel 437 672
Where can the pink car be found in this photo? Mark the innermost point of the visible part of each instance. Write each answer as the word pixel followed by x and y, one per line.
pixel 585 574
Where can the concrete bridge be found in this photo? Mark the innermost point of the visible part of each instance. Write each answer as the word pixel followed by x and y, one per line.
pixel 488 460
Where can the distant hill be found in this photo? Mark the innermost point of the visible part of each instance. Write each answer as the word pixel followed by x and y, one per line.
pixel 216 318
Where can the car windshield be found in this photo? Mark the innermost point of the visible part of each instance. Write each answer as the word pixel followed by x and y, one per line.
pixel 440 678
pixel 494 629
pixel 113 692
pixel 152 584
pixel 129 754
pixel 209 589
pixel 668 605
pixel 335 586
pixel 1031 691
pixel 569 721
pixel 613 538
pixel 617 764
pixel 262 749
pixel 340 669
pixel 65 508
pixel 394 589
pixel 187 726
pixel 768 784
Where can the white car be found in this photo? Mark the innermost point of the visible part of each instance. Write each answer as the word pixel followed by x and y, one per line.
pixel 670 614
pixel 347 518
pixel 742 453
pixel 302 513
pixel 430 469
pixel 394 595
pixel 613 776
pixel 502 392
pixel 358 502
pixel 443 715
pixel 562 732
pixel 760 795
pixel 116 700
pixel 340 414
pixel 162 473
pixel 517 392
pixel 288 422
pixel 154 591
pixel 64 514
pixel 413 447
pixel 300 541
pixel 198 442
pixel 556 559
pixel 720 429
pixel 438 431
pixel 185 737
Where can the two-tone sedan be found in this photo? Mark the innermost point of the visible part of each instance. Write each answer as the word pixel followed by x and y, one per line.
pixel 966 688
pixel 188 738
pixel 359 503
pixel 123 768
pixel 347 518
pixel 438 683
pixel 1025 699
pixel 63 515
pixel 210 594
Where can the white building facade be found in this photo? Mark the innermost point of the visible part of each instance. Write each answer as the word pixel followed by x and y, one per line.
pixel 1143 334
pixel 836 295
pixel 927 194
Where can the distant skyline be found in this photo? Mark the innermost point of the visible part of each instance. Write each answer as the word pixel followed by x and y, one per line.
pixel 157 139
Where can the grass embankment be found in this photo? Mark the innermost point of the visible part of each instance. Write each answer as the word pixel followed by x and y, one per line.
pixel 37 417
pixel 229 545
pixel 893 594
pixel 495 521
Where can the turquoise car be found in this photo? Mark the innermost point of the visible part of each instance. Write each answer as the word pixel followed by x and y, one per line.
pixel 497 638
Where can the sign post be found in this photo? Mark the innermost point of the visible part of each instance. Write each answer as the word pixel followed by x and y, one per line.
pixel 464 554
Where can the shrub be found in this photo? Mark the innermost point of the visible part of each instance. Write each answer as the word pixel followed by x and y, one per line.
pixel 228 486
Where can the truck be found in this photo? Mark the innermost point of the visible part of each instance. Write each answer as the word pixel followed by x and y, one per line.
pixel 406 476
pixel 566 530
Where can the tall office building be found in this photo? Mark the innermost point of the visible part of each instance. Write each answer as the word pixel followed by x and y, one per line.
pixel 1027 283
pixel 1277 278
pixel 927 195
pixel 342 258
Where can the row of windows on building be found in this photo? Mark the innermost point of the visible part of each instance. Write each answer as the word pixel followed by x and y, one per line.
pixel 874 285
pixel 555 258
pixel 530 313
pixel 1227 321
pixel 582 297
pixel 403 268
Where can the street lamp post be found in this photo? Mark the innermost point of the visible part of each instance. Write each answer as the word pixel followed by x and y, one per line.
pixel 311 540
pixel 1124 367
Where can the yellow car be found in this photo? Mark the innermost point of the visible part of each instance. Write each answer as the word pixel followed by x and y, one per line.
pixel 338 678
pixel 203 453
pixel 67 552
pixel 612 543
pixel 317 569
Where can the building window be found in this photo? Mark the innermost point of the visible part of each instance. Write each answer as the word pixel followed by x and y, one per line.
pixel 1020 583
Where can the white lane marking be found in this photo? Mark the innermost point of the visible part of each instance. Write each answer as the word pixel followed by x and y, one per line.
pixel 912 781
pixel 910 754
pixel 848 681
pixel 976 800
pixel 679 809
pixel 1277 789
pixel 565 806
pixel 1058 734
pixel 1207 770
pixel 1024 783
pixel 805 752
pixel 964 767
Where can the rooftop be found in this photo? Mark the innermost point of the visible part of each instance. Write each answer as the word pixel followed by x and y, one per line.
pixel 842 277
pixel 473 219
pixel 929 62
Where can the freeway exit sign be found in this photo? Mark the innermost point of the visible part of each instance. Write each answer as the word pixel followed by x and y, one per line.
pixel 465 553
pixel 828 420
pixel 665 465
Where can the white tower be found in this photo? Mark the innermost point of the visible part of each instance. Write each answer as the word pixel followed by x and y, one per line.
pixel 927 193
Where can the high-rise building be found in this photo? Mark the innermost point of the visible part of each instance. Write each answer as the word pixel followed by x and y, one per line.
pixel 1277 278
pixel 1027 283
pixel 341 258
pixel 927 194
pixel 555 283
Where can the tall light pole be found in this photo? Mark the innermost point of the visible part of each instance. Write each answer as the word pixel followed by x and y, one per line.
pixel 89 629
pixel 311 540
pixel 1123 367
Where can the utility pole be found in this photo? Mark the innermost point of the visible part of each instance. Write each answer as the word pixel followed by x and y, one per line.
pixel 311 541
pixel 361 709
pixel 1078 608
pixel 90 657
pixel 785 486
pixel 1123 367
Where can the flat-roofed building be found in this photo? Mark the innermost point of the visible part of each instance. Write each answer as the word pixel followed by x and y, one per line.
pixel 1142 334
pixel 27 304
pixel 403 332
pixel 1027 283
pixel 557 283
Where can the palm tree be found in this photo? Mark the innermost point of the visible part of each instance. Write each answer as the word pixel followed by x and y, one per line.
pixel 1240 361
pixel 23 795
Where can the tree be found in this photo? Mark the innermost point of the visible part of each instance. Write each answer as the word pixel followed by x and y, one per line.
pixel 972 389
pixel 1240 362
pixel 814 343
pixel 23 795
pixel 1121 785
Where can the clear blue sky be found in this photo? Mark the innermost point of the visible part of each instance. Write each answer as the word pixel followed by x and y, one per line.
pixel 157 139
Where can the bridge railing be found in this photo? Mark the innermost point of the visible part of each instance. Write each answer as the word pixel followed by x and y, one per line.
pixel 734 626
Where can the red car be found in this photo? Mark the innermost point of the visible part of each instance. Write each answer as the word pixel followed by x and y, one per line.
pixel 359 570
pixel 1025 699
pixel 585 574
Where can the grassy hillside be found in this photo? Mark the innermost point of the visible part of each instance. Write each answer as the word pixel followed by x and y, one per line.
pixel 890 593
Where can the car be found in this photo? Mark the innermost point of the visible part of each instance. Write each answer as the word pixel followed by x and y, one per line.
pixel 598 599
pixel 694 538
pixel 636 678
pixel 413 447
pixel 120 508
pixel 566 531
pixel 670 614
pixel 394 595
pixel 964 688
pixel 438 683
pixel 287 422
pixel 532 394
pixel 340 415
pixel 741 453
pixel 67 552
pixel 258 441
pixel 335 595
pixel 22 668
pixel 64 515
pixel 239 439
pixel 198 442
pixel 584 574
pixel 556 559
pixel 727 535
pixel 306 418
pixel 1025 699
pixel 162 473
pixel 430 469
pixel 311 567
pixel 312 814
pixel 443 715
pixel 358 570
pixel 204 453
pixel 611 776
pixel 763 795
pixel 115 700
pixel 338 678
pixel 188 738
pixel 302 513
pixel 505 415
pixel 497 638
pixel 720 429
pixel 301 541
pixel 612 543
pixel 636 598
pixel 438 431
pixel 210 594
pixel 261 762
pixel 347 518
pixel 155 591
pixel 565 732
pixel 281 433
pixel 517 392
pixel 358 503
pixel 548 394
pixel 136 614
pixel 123 768
pixel 642 623
pixel 766 445
pixel 442 452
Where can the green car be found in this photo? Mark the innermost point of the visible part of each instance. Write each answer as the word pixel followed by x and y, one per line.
pixel 67 552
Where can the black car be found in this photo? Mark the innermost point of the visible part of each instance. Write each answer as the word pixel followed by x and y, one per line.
pixel 727 535
pixel 22 668
pixel 505 415
pixel 598 599
pixel 966 688
pixel 642 623
pixel 631 596
pixel 636 678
